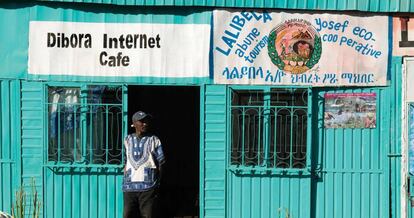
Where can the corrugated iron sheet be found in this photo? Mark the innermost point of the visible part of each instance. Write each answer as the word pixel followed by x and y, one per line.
pixel 9 142
pixel 214 185
pixel 358 5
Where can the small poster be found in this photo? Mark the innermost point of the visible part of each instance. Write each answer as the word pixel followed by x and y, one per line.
pixel 350 110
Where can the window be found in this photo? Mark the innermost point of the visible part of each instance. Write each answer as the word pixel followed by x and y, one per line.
pixel 269 128
pixel 85 124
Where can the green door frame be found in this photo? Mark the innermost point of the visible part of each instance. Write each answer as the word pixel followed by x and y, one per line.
pixel 201 161
pixel 407 179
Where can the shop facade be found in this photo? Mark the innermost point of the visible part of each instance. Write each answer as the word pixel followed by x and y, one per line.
pixel 263 112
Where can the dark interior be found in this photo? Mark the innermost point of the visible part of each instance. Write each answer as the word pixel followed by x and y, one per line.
pixel 175 111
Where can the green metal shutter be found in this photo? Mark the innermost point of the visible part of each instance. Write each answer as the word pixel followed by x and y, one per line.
pixel 214 152
pixel 9 142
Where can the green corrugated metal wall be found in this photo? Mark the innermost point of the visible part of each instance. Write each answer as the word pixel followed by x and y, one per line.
pixel 276 192
pixel 394 148
pixel 354 164
pixel 82 192
pixel 214 152
pixel 13 46
pixel 67 192
pixel 32 140
pixel 258 196
pixel 345 170
pixel 360 168
pixel 367 5
pixel 60 190
pixel 10 142
pixel 14 34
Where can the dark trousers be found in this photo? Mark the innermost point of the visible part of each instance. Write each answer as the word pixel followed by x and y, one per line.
pixel 141 204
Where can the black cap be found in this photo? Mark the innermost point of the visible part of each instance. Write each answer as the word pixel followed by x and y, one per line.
pixel 139 115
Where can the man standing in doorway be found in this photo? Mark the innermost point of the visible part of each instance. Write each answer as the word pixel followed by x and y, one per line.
pixel 142 172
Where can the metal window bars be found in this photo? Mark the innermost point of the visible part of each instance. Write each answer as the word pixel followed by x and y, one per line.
pixel 269 128
pixel 84 132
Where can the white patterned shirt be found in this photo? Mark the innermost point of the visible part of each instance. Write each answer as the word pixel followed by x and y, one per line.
pixel 144 156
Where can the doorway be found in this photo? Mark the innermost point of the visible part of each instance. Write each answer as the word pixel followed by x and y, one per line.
pixel 407 139
pixel 176 117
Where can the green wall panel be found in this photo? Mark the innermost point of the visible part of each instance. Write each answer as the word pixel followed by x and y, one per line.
pixel 394 148
pixel 353 166
pixel 268 196
pixel 14 33
pixel 14 30
pixel 32 135
pixel 214 152
pixel 64 191
pixel 357 165
pixel 359 5
pixel 116 14
pixel 83 192
pixel 9 141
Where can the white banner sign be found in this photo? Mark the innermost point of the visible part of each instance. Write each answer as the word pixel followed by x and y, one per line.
pixel 277 48
pixel 114 49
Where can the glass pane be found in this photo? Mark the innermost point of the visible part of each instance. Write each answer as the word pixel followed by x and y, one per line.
pixel 247 98
pixel 282 119
pixel 104 125
pixel 289 97
pixel 102 94
pixel 247 136
pixel 64 128
pixel 247 127
pixel 300 118
pixel 288 128
pixel 104 134
pixel 280 138
pixel 87 133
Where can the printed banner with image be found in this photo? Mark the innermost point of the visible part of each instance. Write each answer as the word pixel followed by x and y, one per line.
pixel 350 110
pixel 278 48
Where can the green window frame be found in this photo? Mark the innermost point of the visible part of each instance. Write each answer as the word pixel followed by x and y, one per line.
pixel 85 125
pixel 270 128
